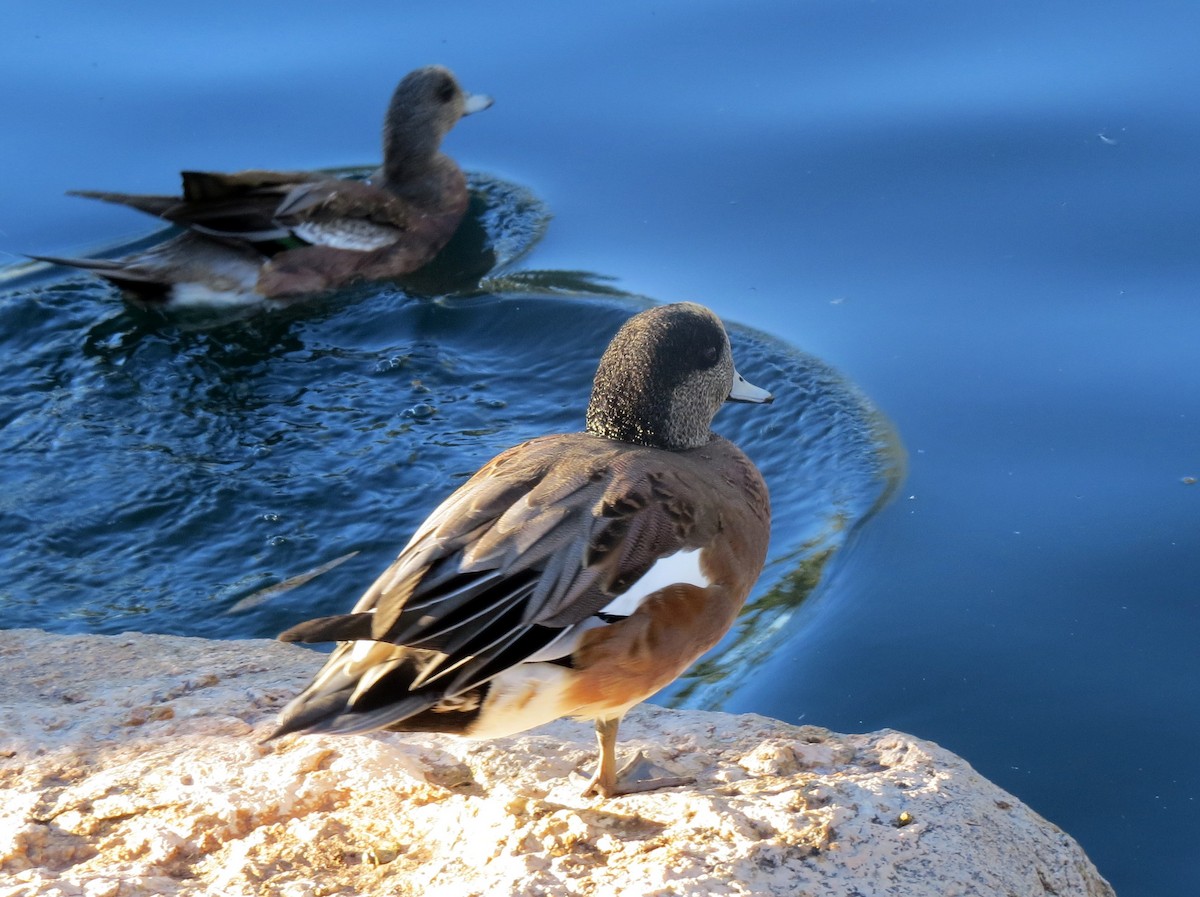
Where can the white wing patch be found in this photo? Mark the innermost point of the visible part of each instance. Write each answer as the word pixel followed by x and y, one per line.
pixel 680 568
pixel 347 233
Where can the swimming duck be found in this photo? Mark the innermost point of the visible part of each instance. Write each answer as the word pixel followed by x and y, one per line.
pixel 278 235
pixel 574 574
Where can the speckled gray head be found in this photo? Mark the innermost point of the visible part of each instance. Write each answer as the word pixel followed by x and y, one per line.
pixel 426 104
pixel 663 378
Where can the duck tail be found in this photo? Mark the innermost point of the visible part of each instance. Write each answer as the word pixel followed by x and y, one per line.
pixel 338 628
pixel 330 714
pixel 158 206
pixel 364 684
pixel 98 265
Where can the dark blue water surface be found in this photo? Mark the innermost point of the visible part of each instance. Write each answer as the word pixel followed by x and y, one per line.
pixel 984 215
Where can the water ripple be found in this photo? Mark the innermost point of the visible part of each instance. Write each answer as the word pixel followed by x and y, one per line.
pixel 159 471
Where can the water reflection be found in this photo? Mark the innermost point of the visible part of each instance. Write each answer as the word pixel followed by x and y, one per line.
pixel 831 460
pixel 759 628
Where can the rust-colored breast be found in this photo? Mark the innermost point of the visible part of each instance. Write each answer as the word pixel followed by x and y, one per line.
pixel 718 502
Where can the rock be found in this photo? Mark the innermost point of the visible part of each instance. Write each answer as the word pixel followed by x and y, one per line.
pixel 130 765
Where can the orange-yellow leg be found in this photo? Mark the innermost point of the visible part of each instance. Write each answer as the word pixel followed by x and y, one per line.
pixel 636 776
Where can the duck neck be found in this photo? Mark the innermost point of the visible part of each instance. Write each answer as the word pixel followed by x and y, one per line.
pixel 627 416
pixel 410 153
pixel 401 166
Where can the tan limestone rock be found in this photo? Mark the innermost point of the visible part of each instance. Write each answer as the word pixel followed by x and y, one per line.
pixel 130 765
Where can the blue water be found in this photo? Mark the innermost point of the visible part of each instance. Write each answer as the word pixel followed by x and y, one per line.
pixel 984 215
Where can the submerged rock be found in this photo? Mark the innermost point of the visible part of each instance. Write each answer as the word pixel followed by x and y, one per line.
pixel 130 765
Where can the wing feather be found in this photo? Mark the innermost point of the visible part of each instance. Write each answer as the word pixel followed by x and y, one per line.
pixel 541 539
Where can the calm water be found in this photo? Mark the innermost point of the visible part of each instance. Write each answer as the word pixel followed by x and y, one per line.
pixel 983 215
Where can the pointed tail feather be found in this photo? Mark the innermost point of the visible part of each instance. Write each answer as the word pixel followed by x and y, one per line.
pixel 337 628
pixel 99 265
pixel 148 284
pixel 328 715
pixel 158 206
pixel 119 271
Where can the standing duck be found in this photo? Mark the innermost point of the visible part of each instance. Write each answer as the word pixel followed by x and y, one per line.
pixel 574 574
pixel 257 235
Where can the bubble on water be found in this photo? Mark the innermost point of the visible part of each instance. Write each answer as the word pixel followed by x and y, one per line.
pixel 420 411
pixel 395 363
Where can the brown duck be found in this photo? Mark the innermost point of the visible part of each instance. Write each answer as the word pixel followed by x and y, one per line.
pixel 573 575
pixel 257 235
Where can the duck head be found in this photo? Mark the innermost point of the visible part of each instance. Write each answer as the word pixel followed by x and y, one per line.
pixel 663 378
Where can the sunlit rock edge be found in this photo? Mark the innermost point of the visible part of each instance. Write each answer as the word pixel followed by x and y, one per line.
pixel 131 765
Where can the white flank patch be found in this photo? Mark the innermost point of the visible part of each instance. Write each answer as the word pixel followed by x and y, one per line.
pixel 522 697
pixel 198 295
pixel 680 568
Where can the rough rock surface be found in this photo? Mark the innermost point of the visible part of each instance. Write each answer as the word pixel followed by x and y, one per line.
pixel 130 765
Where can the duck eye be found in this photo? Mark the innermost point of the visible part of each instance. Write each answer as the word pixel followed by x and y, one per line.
pixel 710 355
pixel 445 92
